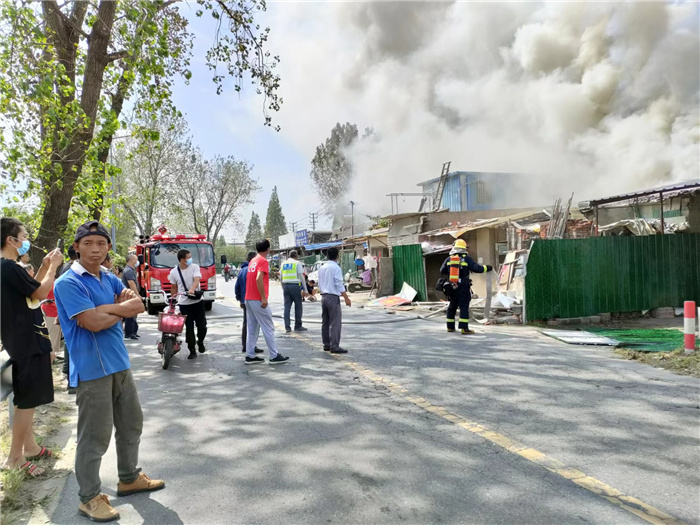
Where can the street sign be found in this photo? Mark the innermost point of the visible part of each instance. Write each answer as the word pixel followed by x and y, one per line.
pixel 302 237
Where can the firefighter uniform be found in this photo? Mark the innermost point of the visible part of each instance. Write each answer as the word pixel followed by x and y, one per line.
pixel 457 267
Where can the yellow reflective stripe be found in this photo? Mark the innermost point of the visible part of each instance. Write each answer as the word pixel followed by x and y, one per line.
pixel 465 264
pixel 464 320
pixel 485 270
pixel 450 320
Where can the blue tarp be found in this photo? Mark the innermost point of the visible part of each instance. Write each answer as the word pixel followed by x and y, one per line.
pixel 322 245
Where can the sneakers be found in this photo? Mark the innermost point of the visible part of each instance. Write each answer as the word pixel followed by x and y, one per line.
pixel 98 509
pixel 202 349
pixel 301 329
pixel 279 359
pixel 193 355
pixel 339 351
pixel 254 360
pixel 288 330
pixel 257 350
pixel 326 348
pixel 142 484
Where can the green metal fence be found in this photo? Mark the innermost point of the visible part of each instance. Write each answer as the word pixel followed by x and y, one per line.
pixel 347 261
pixel 409 267
pixel 581 277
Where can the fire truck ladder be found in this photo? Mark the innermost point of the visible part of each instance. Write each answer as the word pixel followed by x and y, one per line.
pixel 441 185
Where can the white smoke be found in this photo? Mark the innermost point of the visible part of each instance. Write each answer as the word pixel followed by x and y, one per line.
pixel 598 98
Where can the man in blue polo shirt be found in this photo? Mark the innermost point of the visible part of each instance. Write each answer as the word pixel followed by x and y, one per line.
pixel 91 304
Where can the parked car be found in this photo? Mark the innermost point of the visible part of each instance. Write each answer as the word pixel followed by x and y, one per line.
pixel 312 272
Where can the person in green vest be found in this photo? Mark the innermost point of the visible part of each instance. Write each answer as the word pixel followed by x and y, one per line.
pixel 294 289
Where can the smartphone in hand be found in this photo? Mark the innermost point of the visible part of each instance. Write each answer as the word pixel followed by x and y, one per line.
pixel 60 245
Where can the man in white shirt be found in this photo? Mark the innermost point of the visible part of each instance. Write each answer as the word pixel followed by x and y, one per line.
pixel 330 282
pixel 185 279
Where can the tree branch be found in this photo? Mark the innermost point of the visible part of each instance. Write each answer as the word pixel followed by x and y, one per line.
pixel 111 57
pixel 69 20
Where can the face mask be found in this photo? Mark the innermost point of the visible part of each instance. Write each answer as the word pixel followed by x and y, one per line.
pixel 137 264
pixel 189 261
pixel 24 248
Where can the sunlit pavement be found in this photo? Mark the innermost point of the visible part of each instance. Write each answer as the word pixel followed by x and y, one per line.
pixel 379 435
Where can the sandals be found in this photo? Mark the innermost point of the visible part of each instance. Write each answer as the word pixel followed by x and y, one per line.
pixel 45 453
pixel 29 469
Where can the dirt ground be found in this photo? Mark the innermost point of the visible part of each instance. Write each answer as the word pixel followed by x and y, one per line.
pixel 19 494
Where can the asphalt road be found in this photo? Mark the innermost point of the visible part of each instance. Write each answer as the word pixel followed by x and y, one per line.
pixel 358 439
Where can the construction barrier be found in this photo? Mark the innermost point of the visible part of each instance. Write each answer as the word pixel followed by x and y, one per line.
pixel 689 326
pixel 582 277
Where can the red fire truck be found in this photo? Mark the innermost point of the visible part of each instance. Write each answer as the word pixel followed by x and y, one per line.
pixel 158 255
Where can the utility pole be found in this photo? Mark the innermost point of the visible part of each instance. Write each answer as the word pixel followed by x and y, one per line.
pixel 293 226
pixel 313 217
pixel 352 218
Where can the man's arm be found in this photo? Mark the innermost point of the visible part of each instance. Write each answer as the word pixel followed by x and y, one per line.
pixel 125 309
pixel 444 270
pixel 173 290
pixel 338 277
pixel 195 283
pixel 302 279
pixel 260 283
pixel 96 321
pixel 132 285
pixel 476 267
pixel 47 273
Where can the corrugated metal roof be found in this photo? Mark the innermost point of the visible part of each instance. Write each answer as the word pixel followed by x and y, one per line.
pixel 459 230
pixel 680 186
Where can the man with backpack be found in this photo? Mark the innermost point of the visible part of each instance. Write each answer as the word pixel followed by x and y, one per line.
pixel 185 279
pixel 457 285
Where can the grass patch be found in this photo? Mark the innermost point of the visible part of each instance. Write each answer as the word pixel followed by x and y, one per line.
pixel 675 361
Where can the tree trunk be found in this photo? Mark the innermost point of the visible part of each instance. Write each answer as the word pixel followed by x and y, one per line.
pixel 58 200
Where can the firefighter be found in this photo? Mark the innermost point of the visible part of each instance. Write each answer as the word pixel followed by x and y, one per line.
pixel 458 286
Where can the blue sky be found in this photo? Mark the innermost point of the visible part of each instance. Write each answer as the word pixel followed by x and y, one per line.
pixel 233 124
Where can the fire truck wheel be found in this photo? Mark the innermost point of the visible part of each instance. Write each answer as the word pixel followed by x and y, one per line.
pixel 208 305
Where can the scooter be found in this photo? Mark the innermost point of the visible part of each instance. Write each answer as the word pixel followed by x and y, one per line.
pixel 355 282
pixel 170 323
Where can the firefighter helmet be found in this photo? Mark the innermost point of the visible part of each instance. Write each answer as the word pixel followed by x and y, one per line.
pixel 460 243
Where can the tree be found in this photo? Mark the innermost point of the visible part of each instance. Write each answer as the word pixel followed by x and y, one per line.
pixel 68 69
pixel 156 154
pixel 331 169
pixel 275 224
pixel 213 192
pixel 255 233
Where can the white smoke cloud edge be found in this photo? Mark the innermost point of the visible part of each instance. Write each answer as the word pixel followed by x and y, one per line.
pixel 596 98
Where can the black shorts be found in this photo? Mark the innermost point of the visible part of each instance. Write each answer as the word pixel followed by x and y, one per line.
pixel 32 381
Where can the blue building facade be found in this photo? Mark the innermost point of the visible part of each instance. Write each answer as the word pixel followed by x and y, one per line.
pixel 478 191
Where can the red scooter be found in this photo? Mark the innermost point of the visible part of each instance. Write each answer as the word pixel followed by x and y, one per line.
pixel 170 323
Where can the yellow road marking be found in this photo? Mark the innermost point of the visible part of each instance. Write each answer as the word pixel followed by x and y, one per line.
pixel 614 496
pixel 632 505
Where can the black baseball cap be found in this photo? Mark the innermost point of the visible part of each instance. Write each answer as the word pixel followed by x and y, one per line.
pixel 85 230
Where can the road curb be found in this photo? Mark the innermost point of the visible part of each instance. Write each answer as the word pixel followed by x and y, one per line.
pixel 50 490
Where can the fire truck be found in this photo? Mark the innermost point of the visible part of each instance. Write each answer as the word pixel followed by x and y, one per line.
pixel 157 255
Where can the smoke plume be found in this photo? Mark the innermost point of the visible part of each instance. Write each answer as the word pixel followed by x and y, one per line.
pixel 597 98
